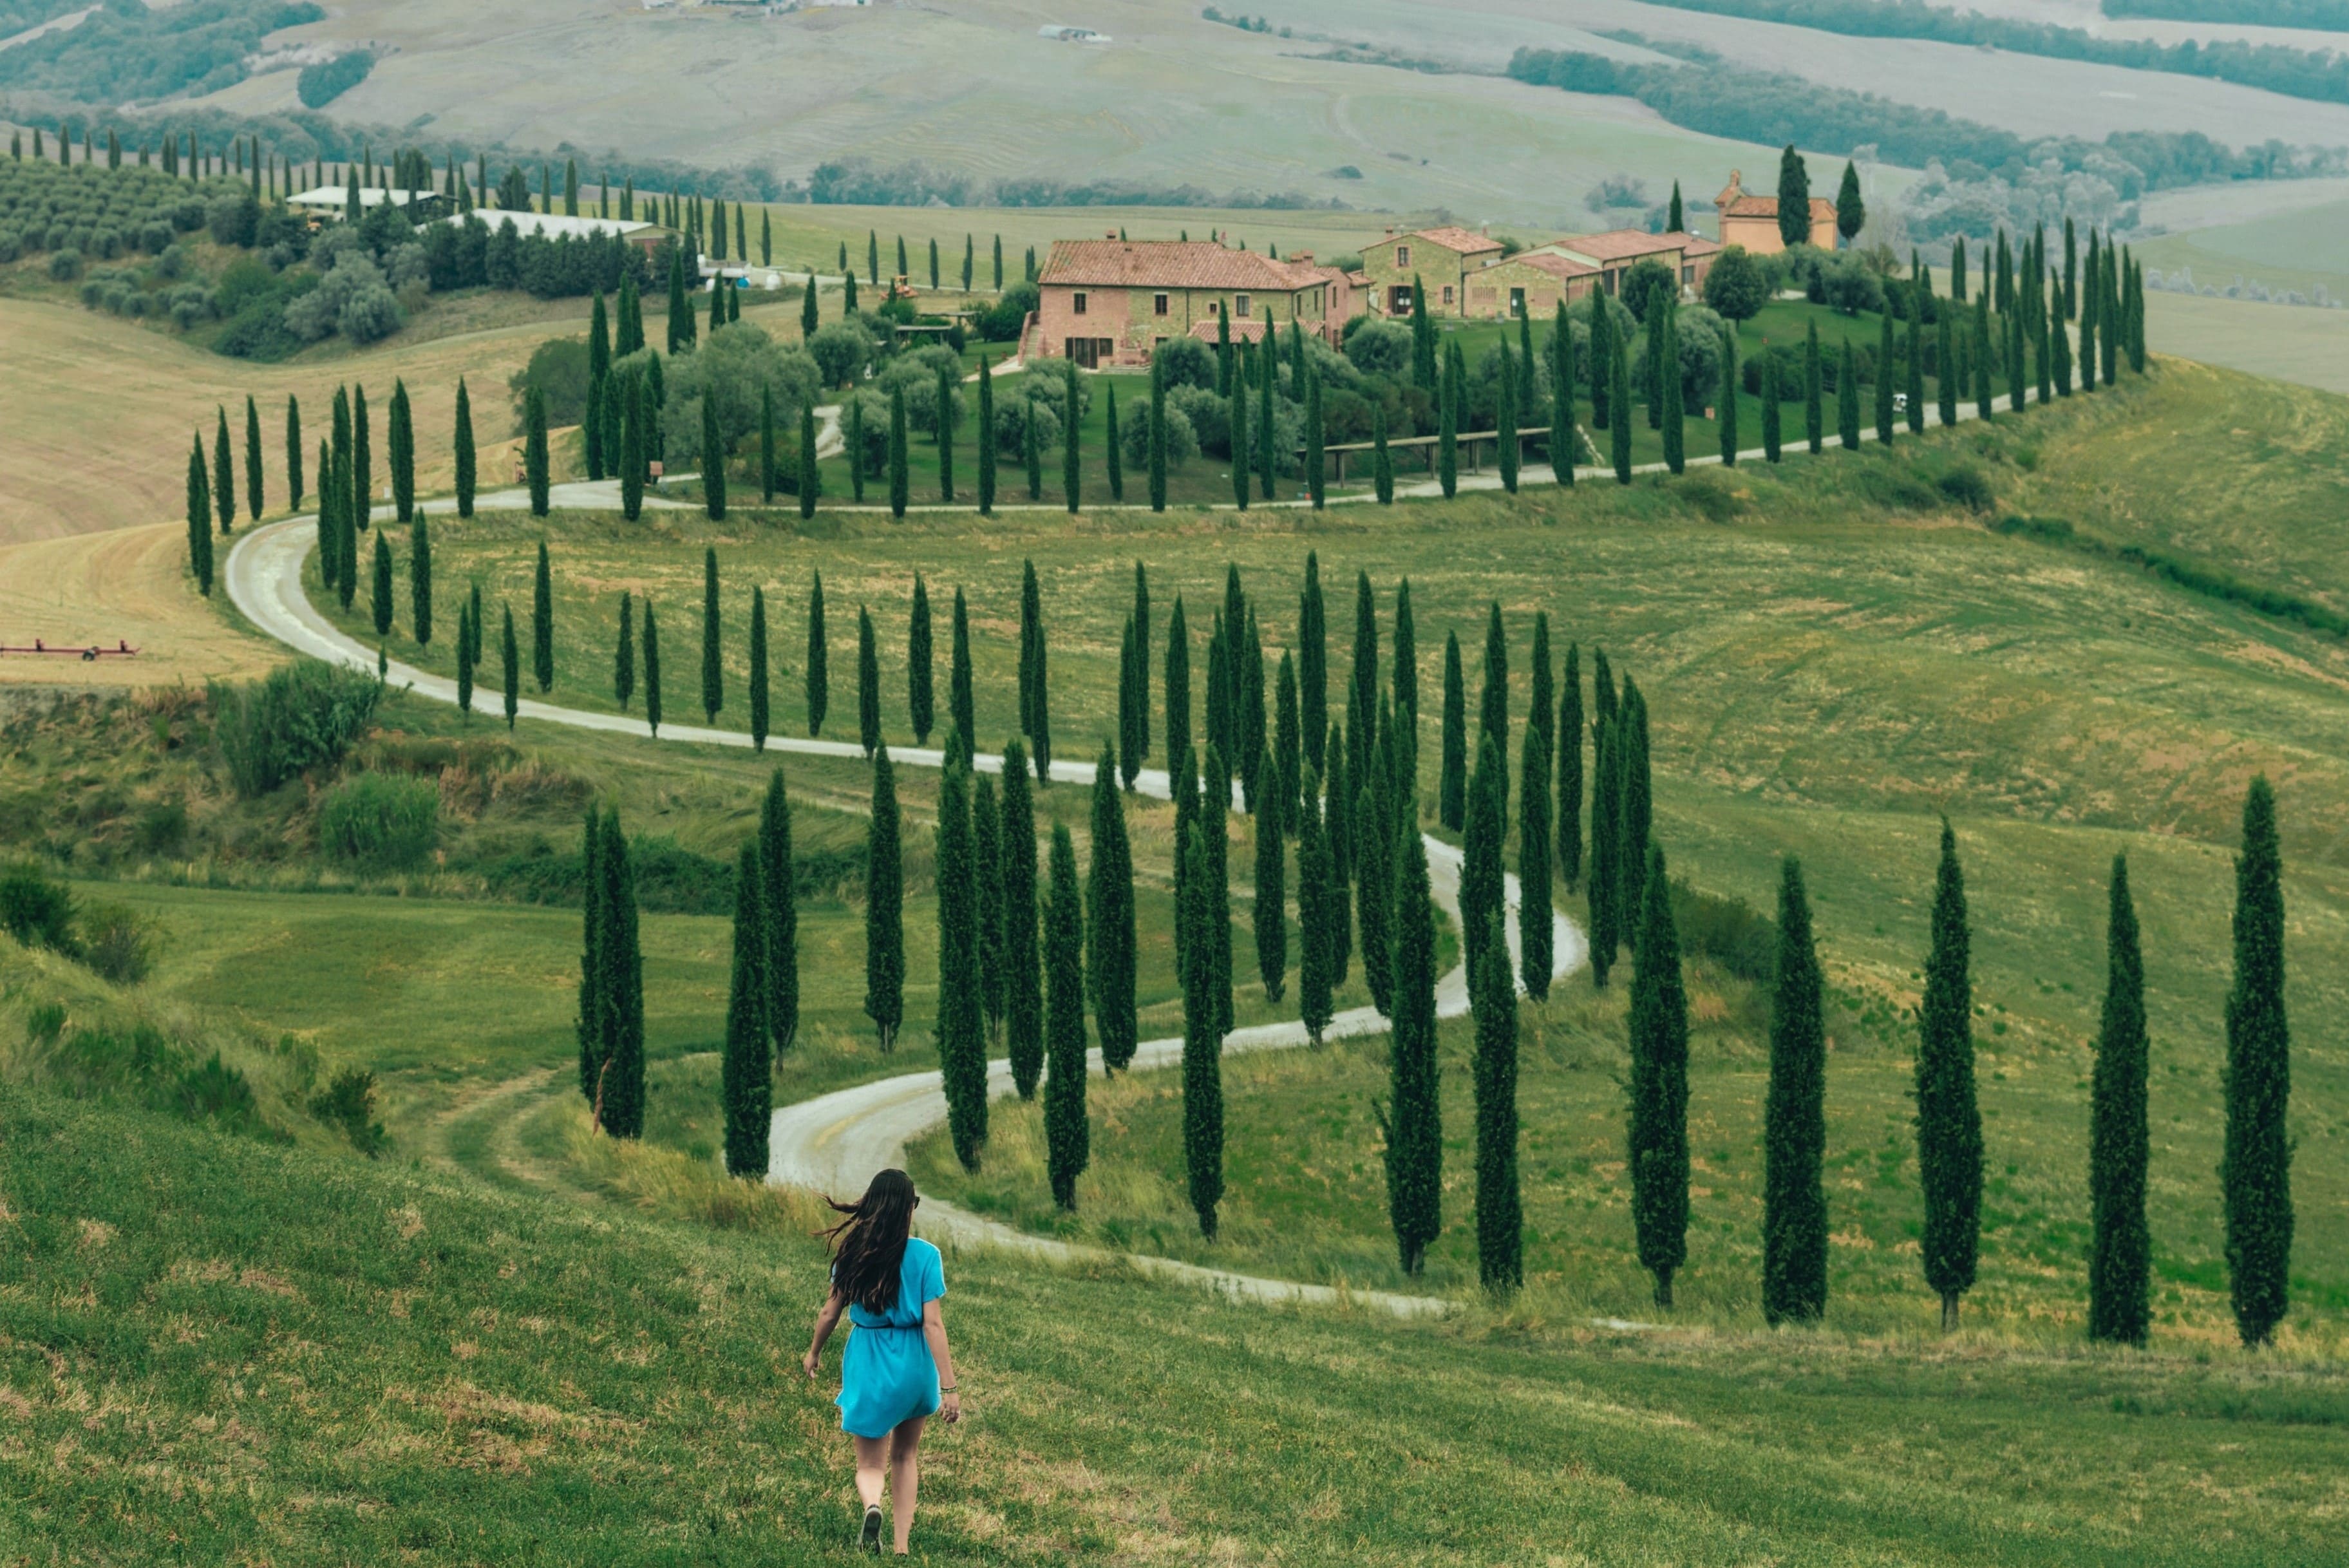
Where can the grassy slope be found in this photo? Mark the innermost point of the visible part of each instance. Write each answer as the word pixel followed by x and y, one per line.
pixel 1824 683
pixel 223 1349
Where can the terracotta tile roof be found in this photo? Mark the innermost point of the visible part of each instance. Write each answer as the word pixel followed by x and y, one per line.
pixel 1250 330
pixel 1467 242
pixel 1171 264
pixel 1746 206
pixel 1698 245
pixel 1617 244
pixel 1550 262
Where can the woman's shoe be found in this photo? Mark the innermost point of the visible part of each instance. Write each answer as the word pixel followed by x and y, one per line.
pixel 870 1538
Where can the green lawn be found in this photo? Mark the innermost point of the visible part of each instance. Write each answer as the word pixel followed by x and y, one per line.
pixel 358 1362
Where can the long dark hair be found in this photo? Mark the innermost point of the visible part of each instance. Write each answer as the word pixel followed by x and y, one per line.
pixel 868 1248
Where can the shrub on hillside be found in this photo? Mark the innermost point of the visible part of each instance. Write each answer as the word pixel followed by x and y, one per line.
pixel 1188 363
pixel 558 368
pixel 1182 437
pixel 1380 348
pixel 1648 283
pixel 303 715
pixel 321 84
pixel 1739 283
pixel 116 944
pixel 1729 931
pixel 1001 324
pixel 732 365
pixel 36 911
pixel 347 1104
pixel 841 350
pixel 380 821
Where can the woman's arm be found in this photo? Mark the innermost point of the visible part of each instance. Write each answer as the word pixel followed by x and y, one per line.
pixel 933 1329
pixel 825 1322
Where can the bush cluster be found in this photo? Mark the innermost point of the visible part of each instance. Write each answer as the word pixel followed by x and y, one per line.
pixel 303 715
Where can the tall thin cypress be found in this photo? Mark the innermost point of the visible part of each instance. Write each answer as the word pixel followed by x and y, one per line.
pixel 1287 741
pixel 199 521
pixel 253 475
pixel 465 451
pixel 747 1068
pixel 1214 820
pixel 1035 699
pixel 1452 784
pixel 620 1088
pixel 1815 429
pixel 1110 955
pixel 624 655
pixel 987 452
pixel 713 665
pixel 1728 414
pixel 1535 931
pixel 1493 708
pixel 1847 399
pixel 541 618
pixel 760 696
pixel 223 473
pixel 1657 1155
pixel 652 670
pixel 1271 919
pixel 1618 435
pixel 1482 838
pixel 810 482
pixel 817 681
pixel 1570 769
pixel 1203 1083
pixel 1024 1022
pixel 1948 1120
pixel 1157 436
pixel 379 589
pixel 1447 432
pixel 2120 1251
pixel 868 684
pixel 294 489
pixel 1178 692
pixel 594 966
pixel 1794 1120
pixel 1071 421
pixel 713 457
pixel 1067 1136
pixel 1312 662
pixel 400 442
pixel 962 1033
pixel 2255 1171
pixel 986 849
pixel 1382 459
pixel 961 722
pixel 900 481
pixel 1411 1118
pixel 1500 1225
pixel 884 908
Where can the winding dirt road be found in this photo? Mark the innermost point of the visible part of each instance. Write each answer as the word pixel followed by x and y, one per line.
pixel 835 1142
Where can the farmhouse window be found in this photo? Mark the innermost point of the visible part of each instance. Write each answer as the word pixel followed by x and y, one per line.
pixel 1240 306
pixel 1157 305
pixel 1447 293
pixel 1516 302
pixel 1687 275
pixel 1402 256
pixel 1077 303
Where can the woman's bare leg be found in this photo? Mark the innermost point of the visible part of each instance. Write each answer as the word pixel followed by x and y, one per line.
pixel 871 1469
pixel 904 1477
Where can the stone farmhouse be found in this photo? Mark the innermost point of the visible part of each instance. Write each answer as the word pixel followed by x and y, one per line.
pixel 1112 301
pixel 1752 220
pixel 1467 277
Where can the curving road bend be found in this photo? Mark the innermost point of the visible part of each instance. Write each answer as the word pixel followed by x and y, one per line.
pixel 835 1142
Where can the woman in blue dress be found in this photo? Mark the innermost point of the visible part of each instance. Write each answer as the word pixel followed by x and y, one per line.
pixel 896 1371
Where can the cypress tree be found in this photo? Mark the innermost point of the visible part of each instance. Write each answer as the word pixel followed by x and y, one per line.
pixel 1035 705
pixel 1203 1086
pixel 920 690
pixel 542 614
pixel 746 1070
pixel 713 459
pixel 1319 904
pixel 848 294
pixel 1564 444
pixel 380 597
pixel 962 1036
pixel 682 328
pixel 1655 342
pixel 362 463
pixel 1637 810
pixel 1129 704
pixel 1602 364
pixel 960 723
pixel 1794 1120
pixel 1382 459
pixel 1022 1005
pixel 987 452
pixel 1406 664
pixel 1794 199
pixel 811 483
pixel 868 684
pixel 1252 728
pixel 1813 420
pixel 1113 453
pixel 1411 1117
pixel 1214 820
pixel 1240 429
pixel 199 519
pixel 1658 1153
pixel 1570 769
pixel 2061 351
pixel 1500 1238
pixel 817 683
pixel 1948 1121
pixel 1504 420
pixel 1916 361
pixel 1267 459
pixel 759 694
pixel 998 264
pixel 1361 708
pixel 2120 1253
pixel 1773 438
pixel 1315 476
pixel 652 670
pixel 1271 891
pixel 465 659
pixel 1535 933
pixel 713 678
pixel 1886 352
pixel 1178 692
pixel 855 450
pixel 1287 741
pixel 1067 1138
pixel 987 846
pixel 1447 432
pixel 1070 425
pixel 1157 433
pixel 1945 376
pixel 1493 713
pixel 464 450
pixel 2256 1171
pixel 1312 662
pixel 1109 933
pixel 253 477
pixel 633 448
pixel 1728 417
pixel 1422 337
pixel 624 657
pixel 1219 686
pixel 1482 838
pixel 808 307
pixel 899 480
pixel 1980 356
pixel 1606 841
pixel 1374 859
pixel 399 440
pixel 1140 617
pixel 223 473
pixel 884 908
pixel 1847 399
pixel 969 259
pixel 294 488
pixel 1337 833
pixel 1619 435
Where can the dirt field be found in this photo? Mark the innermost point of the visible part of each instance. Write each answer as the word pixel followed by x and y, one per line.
pixel 99 410
pixel 128 585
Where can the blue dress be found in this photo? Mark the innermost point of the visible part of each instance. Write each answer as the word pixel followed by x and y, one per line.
pixel 886 1374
